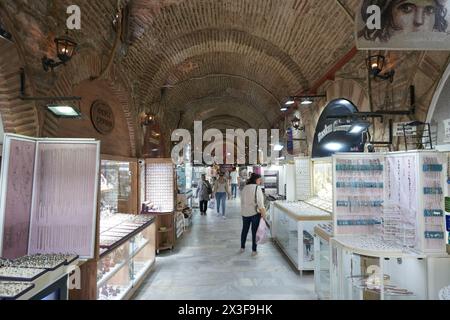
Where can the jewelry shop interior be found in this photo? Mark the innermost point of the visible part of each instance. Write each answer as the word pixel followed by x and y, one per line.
pixel 110 190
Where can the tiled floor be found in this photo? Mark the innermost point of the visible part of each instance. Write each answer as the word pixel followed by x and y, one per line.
pixel 207 265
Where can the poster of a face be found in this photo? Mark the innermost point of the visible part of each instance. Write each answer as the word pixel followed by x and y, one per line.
pixel 404 24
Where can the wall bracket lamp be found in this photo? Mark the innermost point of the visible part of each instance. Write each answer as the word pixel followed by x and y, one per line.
pixel 65 49
pixel 375 65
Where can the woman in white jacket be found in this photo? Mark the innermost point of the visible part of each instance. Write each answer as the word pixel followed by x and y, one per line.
pixel 252 209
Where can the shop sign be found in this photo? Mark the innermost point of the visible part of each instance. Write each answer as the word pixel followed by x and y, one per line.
pixel 398 129
pixel 326 131
pixel 447 131
pixel 102 117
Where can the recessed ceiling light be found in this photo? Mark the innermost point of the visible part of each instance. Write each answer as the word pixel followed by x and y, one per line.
pixel 284 109
pixel 64 111
pixel 307 102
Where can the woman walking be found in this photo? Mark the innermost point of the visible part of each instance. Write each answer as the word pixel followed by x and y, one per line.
pixel 204 192
pixel 221 193
pixel 252 209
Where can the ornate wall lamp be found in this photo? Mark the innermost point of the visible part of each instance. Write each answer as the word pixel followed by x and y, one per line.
pixel 65 49
pixel 376 64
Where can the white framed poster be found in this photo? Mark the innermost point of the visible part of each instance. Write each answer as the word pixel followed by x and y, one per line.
pixel 403 25
pixel 447 131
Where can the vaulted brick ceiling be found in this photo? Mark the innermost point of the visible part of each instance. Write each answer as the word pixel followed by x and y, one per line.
pixel 230 60
pixel 257 52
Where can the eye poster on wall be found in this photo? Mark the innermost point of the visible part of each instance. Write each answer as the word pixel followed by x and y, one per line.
pixel 403 24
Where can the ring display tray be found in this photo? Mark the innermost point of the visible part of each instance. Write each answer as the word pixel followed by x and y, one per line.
pixel 20 274
pixel 14 290
pixel 49 262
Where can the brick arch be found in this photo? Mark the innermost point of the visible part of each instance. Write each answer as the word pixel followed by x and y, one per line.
pixel 83 67
pixel 18 116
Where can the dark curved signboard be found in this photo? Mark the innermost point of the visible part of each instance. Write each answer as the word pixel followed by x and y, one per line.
pixel 326 141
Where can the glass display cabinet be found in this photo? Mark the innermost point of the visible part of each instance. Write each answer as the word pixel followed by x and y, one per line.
pixel 121 269
pixel 118 186
pixel 293 229
pixel 322 235
pixel 366 268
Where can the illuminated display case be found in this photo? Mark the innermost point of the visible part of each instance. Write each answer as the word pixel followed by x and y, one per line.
pixel 122 268
pixel 293 226
pixel 322 184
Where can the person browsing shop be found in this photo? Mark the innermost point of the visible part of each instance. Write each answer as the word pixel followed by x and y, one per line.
pixel 204 192
pixel 252 209
pixel 234 177
pixel 221 193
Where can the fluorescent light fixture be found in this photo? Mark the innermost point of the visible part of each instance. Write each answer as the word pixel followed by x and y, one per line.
pixel 278 147
pixel 307 102
pixel 334 146
pixel 64 111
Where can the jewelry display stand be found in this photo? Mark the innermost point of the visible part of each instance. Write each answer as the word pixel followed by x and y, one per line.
pixel 48 196
pixel 159 183
pixel 389 240
pixel 48 209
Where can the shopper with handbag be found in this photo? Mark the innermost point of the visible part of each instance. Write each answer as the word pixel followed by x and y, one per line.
pixel 252 210
pixel 204 192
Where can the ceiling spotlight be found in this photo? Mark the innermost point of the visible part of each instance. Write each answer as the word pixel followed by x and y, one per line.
pixel 334 146
pixel 290 102
pixel 307 102
pixel 284 109
pixel 359 127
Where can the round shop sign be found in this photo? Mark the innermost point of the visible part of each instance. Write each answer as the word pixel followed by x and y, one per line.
pixel 102 117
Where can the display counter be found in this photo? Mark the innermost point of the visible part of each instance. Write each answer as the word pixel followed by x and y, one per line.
pixel 293 228
pixel 368 268
pixel 38 277
pixel 125 260
pixel 322 236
